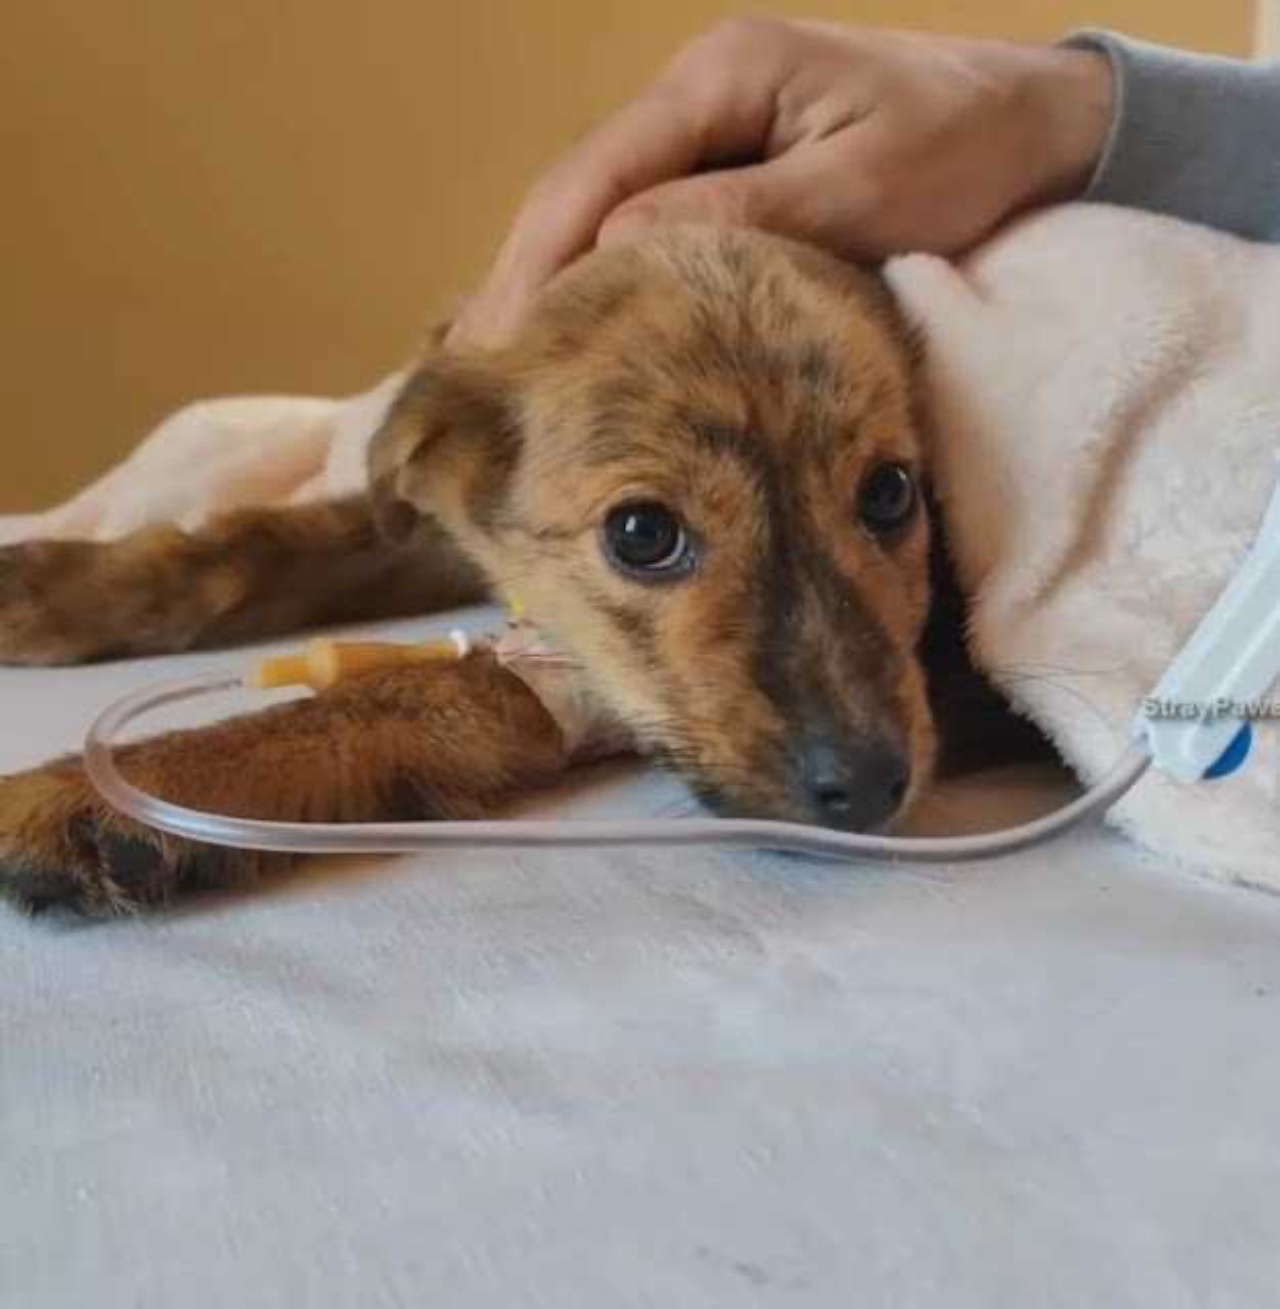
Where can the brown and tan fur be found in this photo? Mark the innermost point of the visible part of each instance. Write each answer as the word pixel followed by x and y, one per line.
pixel 746 382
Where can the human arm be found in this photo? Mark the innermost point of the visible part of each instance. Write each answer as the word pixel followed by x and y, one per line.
pixel 1193 136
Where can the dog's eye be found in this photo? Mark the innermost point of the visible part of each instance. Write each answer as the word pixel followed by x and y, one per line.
pixel 643 536
pixel 887 498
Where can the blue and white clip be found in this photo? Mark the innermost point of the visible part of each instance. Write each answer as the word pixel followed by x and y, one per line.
pixel 1217 683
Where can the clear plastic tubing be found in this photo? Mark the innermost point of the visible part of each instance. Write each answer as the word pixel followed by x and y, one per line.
pixel 347 838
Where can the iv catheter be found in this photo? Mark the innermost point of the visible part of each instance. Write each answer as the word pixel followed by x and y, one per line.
pixel 1193 726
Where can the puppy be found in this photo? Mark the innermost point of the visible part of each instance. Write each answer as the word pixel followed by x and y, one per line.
pixel 702 469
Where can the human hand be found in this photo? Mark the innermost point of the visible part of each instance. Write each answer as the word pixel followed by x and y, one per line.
pixel 861 141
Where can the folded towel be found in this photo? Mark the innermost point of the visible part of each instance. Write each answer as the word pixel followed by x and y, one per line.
pixel 1104 388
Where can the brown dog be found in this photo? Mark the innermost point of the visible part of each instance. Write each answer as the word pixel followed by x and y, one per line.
pixel 700 466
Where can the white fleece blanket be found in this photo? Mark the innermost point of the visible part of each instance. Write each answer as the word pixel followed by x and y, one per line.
pixel 1105 387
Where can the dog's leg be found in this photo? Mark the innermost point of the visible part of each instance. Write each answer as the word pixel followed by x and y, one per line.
pixel 449 740
pixel 249 574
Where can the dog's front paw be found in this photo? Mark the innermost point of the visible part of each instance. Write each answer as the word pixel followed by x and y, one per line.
pixel 70 602
pixel 45 614
pixel 60 845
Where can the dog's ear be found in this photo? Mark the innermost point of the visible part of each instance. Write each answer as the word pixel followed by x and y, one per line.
pixel 446 447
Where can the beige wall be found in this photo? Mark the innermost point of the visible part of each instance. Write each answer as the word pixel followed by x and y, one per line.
pixel 1267 30
pixel 206 196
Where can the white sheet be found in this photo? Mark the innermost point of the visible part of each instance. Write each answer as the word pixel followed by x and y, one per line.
pixel 677 1081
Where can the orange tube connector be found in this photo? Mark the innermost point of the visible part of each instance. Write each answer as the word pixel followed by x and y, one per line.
pixel 324 663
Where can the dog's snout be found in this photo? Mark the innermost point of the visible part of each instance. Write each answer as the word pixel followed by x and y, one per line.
pixel 856 787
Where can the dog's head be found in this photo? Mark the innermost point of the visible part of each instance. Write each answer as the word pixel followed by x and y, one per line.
pixel 699 468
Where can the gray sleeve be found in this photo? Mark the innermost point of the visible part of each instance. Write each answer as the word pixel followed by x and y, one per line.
pixel 1194 136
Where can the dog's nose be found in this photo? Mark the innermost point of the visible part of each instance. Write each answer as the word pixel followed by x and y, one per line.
pixel 856 787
